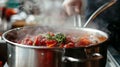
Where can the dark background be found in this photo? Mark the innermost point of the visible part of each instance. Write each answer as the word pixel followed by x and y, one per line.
pixel 108 21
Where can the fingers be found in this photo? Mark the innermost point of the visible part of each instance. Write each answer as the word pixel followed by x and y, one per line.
pixel 78 8
pixel 67 6
pixel 72 6
pixel 70 10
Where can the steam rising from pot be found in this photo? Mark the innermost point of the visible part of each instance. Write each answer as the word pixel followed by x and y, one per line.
pixel 82 37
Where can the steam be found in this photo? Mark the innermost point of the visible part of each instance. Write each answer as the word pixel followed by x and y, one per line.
pixel 99 24
pixel 50 15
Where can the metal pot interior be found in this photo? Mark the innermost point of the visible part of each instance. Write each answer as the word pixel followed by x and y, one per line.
pixel 19 33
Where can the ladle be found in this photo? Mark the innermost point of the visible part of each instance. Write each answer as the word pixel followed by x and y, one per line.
pixel 77 18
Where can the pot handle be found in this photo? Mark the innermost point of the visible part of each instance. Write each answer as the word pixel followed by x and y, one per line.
pixel 95 56
pixel 1 40
pixel 91 54
pixel 99 10
pixel 92 57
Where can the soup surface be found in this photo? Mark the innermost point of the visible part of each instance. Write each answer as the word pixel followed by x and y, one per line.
pixel 61 40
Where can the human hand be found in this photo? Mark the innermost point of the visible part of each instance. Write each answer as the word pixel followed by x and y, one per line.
pixel 72 6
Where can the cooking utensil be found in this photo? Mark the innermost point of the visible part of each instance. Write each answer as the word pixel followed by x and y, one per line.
pixel 77 21
pixel 77 17
pixel 98 11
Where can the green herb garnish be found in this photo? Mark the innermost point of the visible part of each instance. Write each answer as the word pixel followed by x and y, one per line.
pixel 48 36
pixel 60 38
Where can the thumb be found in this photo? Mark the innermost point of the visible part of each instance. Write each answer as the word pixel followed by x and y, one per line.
pixel 78 9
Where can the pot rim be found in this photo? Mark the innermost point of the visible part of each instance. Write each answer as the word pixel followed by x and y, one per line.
pixel 43 47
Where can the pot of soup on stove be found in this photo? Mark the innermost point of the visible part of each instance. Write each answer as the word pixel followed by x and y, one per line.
pixel 45 46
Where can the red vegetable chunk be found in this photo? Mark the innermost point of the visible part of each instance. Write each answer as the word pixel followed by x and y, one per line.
pixel 27 41
pixel 84 41
pixel 51 43
pixel 37 40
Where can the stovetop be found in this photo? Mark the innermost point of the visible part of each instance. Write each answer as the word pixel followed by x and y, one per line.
pixel 113 57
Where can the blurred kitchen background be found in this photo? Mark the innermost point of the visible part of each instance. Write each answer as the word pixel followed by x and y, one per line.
pixel 19 13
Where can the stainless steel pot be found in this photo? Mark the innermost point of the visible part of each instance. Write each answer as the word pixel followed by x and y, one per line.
pixel 20 55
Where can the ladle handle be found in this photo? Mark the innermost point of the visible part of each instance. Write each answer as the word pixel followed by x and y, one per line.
pixel 98 11
pixel 77 21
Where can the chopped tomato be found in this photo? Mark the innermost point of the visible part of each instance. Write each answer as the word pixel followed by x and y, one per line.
pixel 51 43
pixel 27 41
pixel 84 41
pixel 43 41
pixel 69 45
pixel 61 45
pixel 69 39
pixel 37 40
